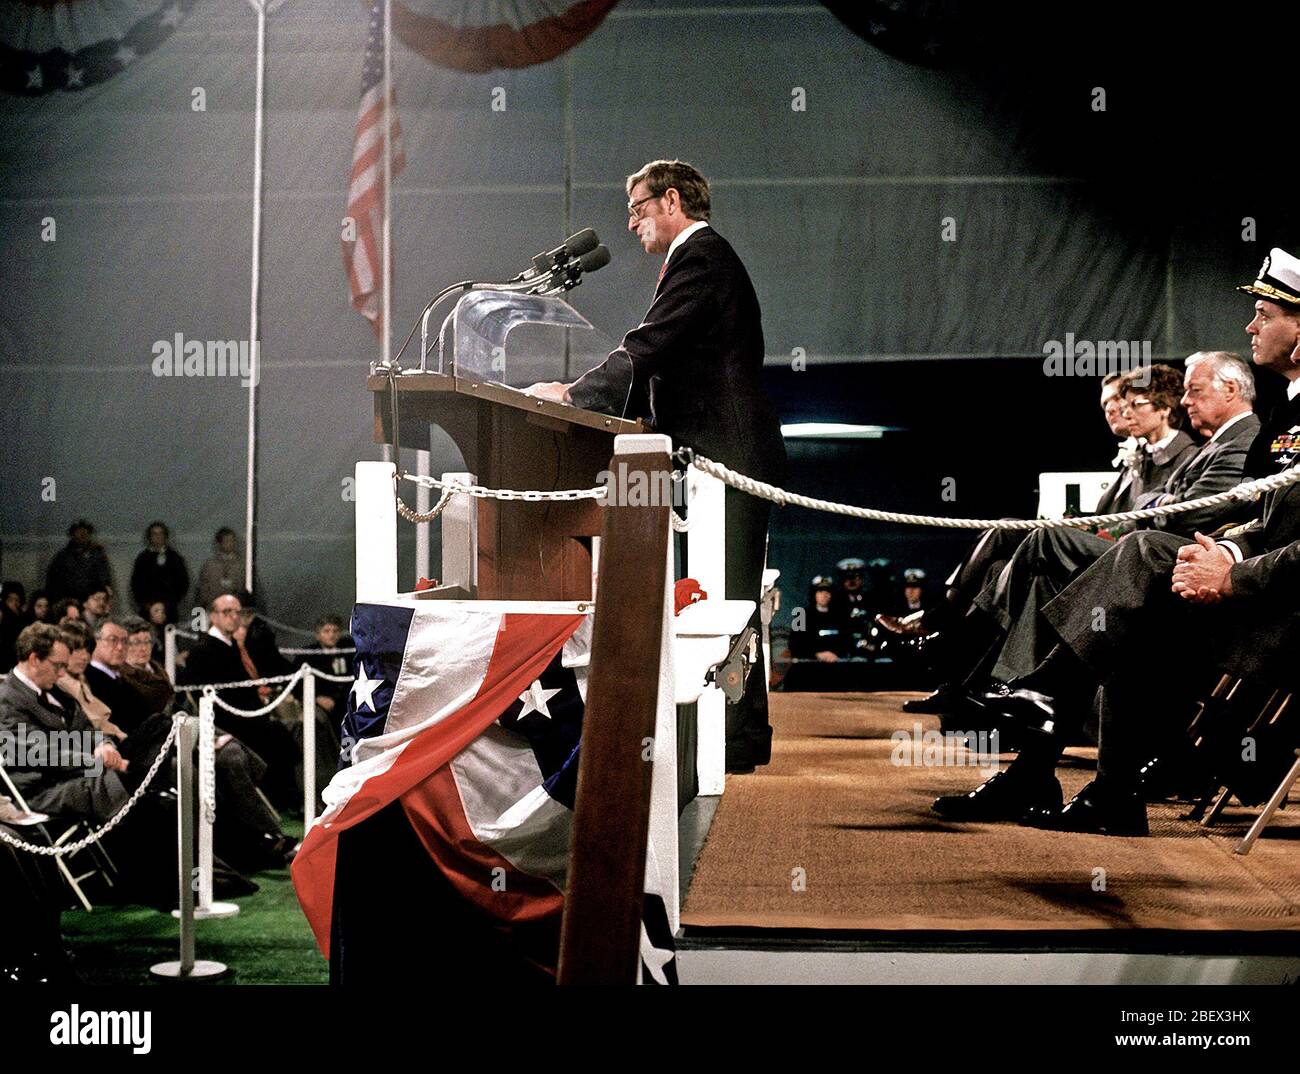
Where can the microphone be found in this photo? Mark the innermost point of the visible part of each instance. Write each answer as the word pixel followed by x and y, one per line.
pixel 573 247
pixel 567 276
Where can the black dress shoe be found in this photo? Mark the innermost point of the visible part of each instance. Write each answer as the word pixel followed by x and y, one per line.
pixel 1007 795
pixel 947 700
pixel 1094 810
pixel 1028 709
pixel 1171 777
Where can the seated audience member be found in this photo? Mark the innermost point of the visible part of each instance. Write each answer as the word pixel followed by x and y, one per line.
pixel 1185 605
pixel 331 697
pixel 990 553
pixel 67 610
pixel 63 768
pixel 96 606
pixel 80 639
pixel 147 677
pixel 156 614
pixel 818 636
pixel 259 639
pixel 221 573
pixel 1000 630
pixel 912 600
pixel 1157 421
pixel 850 602
pixel 38 607
pixel 12 596
pixel 159 573
pixel 247 834
pixel 80 567
pixel 64 784
pixel 221 657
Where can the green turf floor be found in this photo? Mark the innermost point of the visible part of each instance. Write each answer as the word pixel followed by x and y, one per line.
pixel 269 941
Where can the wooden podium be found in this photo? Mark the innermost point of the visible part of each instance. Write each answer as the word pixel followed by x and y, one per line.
pixel 526 551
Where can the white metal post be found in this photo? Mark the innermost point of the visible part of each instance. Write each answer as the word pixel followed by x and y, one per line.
pixel 207 814
pixel 460 537
pixel 376 531
pixel 187 967
pixel 706 561
pixel 308 746
pixel 169 651
pixel 423 551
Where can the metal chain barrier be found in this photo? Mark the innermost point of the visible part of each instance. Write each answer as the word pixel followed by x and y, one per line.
pixel 269 707
pixel 114 820
pixel 481 492
pixel 268 680
pixel 425 516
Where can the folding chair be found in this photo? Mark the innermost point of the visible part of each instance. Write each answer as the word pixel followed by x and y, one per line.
pixel 103 864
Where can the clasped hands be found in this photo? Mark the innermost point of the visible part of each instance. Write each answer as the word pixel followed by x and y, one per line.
pixel 1203 573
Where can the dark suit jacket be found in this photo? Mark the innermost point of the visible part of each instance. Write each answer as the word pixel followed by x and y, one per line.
pixel 23 715
pixel 1151 474
pixel 127 704
pixel 1259 460
pixel 214 661
pixel 1216 467
pixel 694 366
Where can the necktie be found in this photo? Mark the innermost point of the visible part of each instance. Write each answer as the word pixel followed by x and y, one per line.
pixel 662 269
pixel 247 661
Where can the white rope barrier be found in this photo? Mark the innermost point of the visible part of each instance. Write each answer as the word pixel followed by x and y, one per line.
pixel 1243 492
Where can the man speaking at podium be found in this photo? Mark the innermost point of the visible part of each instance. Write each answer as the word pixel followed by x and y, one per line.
pixel 693 368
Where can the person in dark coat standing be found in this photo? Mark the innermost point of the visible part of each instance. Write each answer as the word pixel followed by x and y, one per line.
pixel 693 368
pixel 80 567
pixel 159 573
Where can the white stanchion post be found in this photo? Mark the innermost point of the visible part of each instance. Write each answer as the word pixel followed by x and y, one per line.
pixel 308 746
pixel 206 908
pixel 706 559
pixel 169 652
pixel 460 537
pixel 423 561
pixel 187 967
pixel 376 531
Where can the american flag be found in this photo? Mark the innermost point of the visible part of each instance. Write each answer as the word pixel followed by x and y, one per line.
pixel 469 714
pixel 363 255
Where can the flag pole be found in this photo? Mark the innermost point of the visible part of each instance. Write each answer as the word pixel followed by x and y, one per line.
pixel 254 328
pixel 386 235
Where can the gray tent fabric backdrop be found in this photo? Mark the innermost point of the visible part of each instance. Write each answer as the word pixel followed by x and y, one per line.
pixel 837 208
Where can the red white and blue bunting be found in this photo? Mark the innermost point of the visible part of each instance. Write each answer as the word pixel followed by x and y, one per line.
pixel 71 45
pixel 476 36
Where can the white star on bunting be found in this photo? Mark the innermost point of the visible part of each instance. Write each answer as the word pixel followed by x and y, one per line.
pixel 535 698
pixel 172 16
pixel 74 76
pixel 34 80
pixel 124 55
pixel 364 688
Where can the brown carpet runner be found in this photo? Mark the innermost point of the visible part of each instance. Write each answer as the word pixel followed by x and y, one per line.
pixel 833 835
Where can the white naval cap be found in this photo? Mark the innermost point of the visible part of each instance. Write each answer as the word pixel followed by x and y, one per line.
pixel 1279 279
